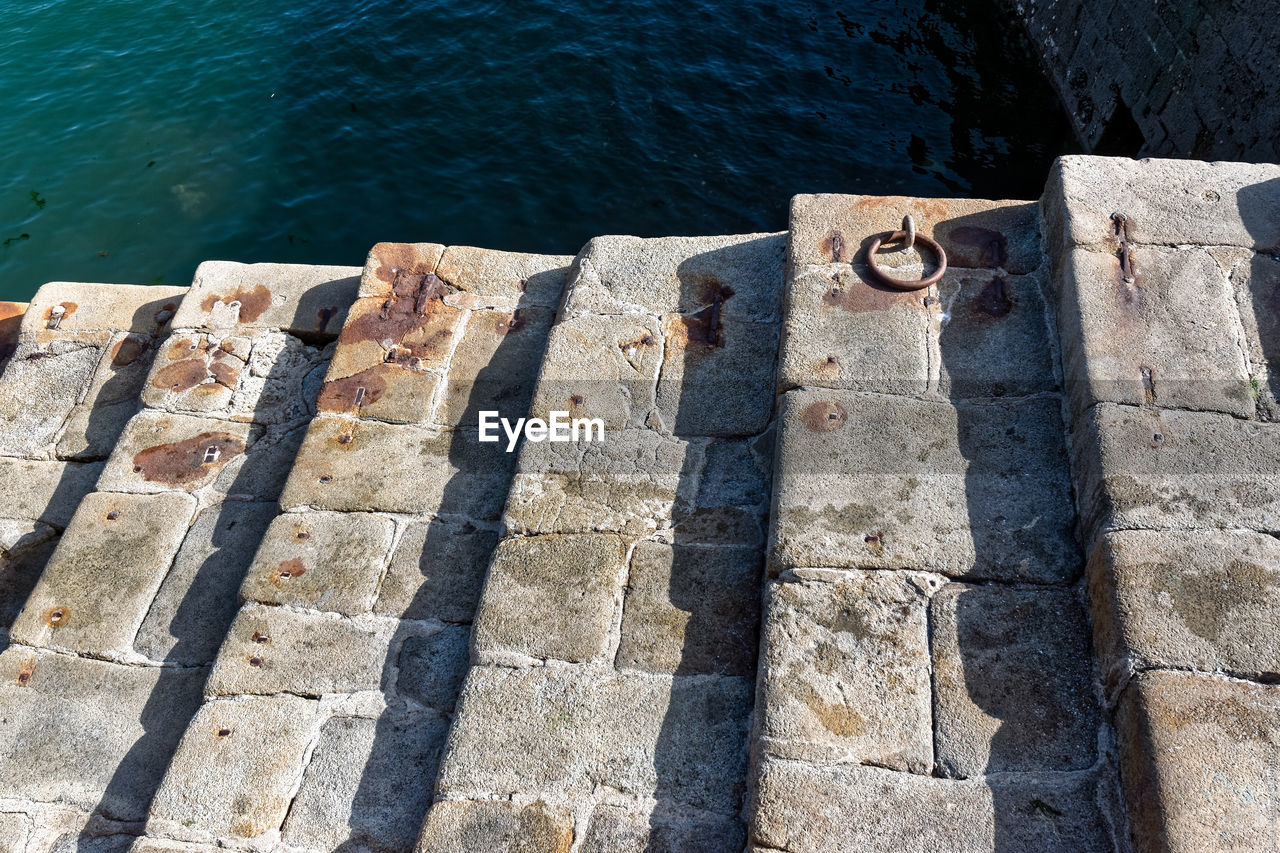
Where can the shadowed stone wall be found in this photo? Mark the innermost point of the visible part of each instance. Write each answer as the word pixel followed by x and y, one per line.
pixel 1183 78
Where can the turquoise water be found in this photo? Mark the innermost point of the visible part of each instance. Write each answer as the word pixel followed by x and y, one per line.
pixel 139 138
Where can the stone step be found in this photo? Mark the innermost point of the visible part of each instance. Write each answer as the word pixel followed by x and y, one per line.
pixel 329 701
pixel 109 655
pixel 1174 373
pixel 609 697
pixel 925 677
pixel 73 364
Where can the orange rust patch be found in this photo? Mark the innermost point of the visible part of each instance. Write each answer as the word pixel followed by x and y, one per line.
pixel 181 375
pixel 828 367
pixel 253 303
pixel 68 307
pixel 414 317
pixel 57 617
pixel 339 395
pixel 925 210
pixel 128 351
pixel 836 247
pixel 287 570
pixel 224 373
pixel 182 347
pixel 186 461
pixel 26 672
pixel 824 416
pixel 398 258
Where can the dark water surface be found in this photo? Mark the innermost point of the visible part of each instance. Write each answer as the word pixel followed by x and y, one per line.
pixel 139 138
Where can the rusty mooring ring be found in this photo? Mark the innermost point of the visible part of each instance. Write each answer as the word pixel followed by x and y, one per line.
pixel 897 283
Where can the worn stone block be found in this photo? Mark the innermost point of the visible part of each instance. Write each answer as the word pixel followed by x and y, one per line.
pixel 495 365
pixel 25 548
pixel 994 338
pixel 601 367
pixel 161 452
pixel 842 331
pixel 716 380
pixel 388 261
pixel 260 472
pixel 39 391
pixel 437 572
pixel 356 465
pixel 614 830
pixel 691 609
pixel 1012 680
pixel 112 398
pixel 1172 338
pixel 83 309
pixel 393 347
pixel 462 826
pixel 975 233
pixel 835 809
pixel 1256 279
pixel 504 280
pixel 368 783
pixel 1204 600
pixel 274 650
pixel 87 733
pixel 303 299
pixel 635 481
pixel 190 615
pixel 1167 202
pixel 320 560
pixel 1164 469
pixel 1201 760
pixel 680 275
pixel 550 597
pixel 430 667
pixel 965 489
pixel 557 731
pixel 44 490
pixel 234 773
pixel 101 580
pixel 731 504
pixel 196 373
pixel 845 670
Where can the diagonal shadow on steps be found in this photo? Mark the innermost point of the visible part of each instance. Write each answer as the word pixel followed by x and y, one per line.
pixel 423 675
pixel 197 601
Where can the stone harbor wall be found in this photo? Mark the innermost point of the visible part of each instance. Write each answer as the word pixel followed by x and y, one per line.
pixel 1179 78
pixel 987 566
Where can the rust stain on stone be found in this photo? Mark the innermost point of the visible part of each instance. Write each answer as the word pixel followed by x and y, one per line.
pixel 224 373
pixel 340 395
pixel 182 347
pixel 925 210
pixel 182 462
pixel 398 259
pixel 26 672
pixel 838 719
pixel 993 299
pixel 57 617
pixel 413 317
pixel 858 296
pixel 253 302
pixel 287 570
pixel 824 416
pixel 129 350
pixel 974 247
pixel 836 247
pixel 181 375
pixel 323 316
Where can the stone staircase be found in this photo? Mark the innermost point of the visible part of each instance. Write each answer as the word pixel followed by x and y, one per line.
pixel 990 566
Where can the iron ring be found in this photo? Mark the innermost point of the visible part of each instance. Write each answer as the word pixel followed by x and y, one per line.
pixel 897 283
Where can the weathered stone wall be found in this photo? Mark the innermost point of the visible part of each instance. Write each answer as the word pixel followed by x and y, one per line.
pixel 1168 290
pixel 1180 78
